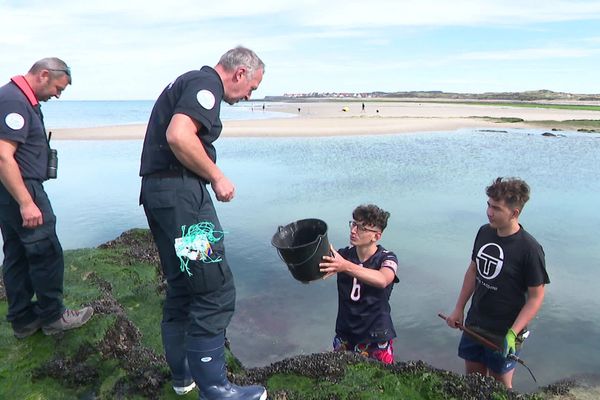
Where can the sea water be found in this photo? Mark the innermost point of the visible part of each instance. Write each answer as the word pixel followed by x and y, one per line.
pixel 82 114
pixel 432 183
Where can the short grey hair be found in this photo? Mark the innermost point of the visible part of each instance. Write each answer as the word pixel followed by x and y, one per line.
pixel 242 57
pixel 55 66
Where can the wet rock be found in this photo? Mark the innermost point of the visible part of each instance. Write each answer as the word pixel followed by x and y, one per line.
pixel 560 388
pixel 136 244
pixel 491 131
pixel 72 372
pixel 146 372
pixel 586 130
pixel 327 366
pixel 332 366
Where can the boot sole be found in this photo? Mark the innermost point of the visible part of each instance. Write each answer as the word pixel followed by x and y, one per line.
pixel 182 390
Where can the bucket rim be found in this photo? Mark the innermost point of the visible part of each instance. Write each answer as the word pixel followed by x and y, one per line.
pixel 318 237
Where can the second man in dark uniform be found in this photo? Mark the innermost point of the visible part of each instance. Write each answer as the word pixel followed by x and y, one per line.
pixel 178 162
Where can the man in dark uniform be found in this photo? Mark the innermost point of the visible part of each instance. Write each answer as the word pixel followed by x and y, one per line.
pixel 178 161
pixel 505 282
pixel 33 259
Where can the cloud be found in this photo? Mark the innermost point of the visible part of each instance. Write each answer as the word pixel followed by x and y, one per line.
pixel 132 48
pixel 529 54
pixel 446 13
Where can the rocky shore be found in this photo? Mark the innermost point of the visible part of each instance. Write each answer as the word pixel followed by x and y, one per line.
pixel 119 355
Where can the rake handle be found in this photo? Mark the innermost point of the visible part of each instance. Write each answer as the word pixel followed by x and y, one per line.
pixel 478 337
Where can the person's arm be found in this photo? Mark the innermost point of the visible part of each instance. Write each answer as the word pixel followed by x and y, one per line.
pixel 11 178
pixel 468 287
pixel 535 298
pixel 187 147
pixel 380 278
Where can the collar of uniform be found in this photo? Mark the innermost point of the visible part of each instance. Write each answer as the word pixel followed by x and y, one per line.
pixel 212 70
pixel 22 84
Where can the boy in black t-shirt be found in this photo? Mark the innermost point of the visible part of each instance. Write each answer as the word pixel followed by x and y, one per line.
pixel 505 282
pixel 366 276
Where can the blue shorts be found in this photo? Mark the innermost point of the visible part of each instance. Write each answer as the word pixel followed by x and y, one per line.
pixel 470 350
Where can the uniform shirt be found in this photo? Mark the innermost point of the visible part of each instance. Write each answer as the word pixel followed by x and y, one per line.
pixel 506 268
pixel 197 94
pixel 364 310
pixel 21 122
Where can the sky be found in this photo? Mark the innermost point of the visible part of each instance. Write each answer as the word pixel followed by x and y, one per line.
pixel 131 49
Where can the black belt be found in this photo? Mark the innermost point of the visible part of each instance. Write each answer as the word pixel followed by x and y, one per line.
pixel 170 173
pixel 175 173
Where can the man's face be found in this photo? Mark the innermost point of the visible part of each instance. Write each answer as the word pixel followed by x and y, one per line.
pixel 499 213
pixel 242 87
pixel 50 87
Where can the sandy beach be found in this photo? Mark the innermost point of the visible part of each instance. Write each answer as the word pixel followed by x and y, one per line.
pixel 330 118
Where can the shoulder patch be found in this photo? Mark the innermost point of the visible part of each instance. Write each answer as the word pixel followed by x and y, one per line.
pixel 15 121
pixel 206 99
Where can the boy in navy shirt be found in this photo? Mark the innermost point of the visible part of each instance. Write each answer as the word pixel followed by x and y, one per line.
pixel 366 273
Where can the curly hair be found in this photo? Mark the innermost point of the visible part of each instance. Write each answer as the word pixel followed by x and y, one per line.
pixel 514 191
pixel 370 214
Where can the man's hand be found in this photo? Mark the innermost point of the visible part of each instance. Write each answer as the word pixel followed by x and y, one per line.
pixel 509 343
pixel 224 189
pixel 31 215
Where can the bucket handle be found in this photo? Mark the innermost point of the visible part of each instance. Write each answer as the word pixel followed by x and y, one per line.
pixel 300 263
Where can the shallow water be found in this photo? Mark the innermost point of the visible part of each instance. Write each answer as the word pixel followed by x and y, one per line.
pixel 93 113
pixel 433 185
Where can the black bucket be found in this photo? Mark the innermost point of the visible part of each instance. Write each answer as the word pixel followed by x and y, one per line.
pixel 302 245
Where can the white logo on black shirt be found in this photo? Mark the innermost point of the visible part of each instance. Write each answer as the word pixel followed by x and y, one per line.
pixel 490 259
pixel 15 121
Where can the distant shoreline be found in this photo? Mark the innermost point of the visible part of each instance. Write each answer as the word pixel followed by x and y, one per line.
pixel 341 117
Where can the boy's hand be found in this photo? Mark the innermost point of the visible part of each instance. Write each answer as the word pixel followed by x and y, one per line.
pixel 509 343
pixel 455 318
pixel 332 263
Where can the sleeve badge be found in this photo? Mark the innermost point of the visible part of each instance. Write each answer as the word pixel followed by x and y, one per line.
pixel 206 99
pixel 15 121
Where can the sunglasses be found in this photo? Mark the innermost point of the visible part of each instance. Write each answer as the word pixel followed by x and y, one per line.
pixel 67 71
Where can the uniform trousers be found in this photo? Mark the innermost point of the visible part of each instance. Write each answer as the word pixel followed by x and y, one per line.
pixel 205 300
pixel 33 260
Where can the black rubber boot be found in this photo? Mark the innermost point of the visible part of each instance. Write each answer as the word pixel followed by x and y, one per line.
pixel 173 338
pixel 206 357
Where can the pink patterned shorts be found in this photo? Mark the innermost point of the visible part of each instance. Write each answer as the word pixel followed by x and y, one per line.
pixel 382 351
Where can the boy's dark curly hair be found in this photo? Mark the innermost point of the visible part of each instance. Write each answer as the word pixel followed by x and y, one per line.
pixel 514 191
pixel 370 214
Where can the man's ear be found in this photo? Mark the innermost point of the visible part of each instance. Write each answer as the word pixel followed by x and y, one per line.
pixel 239 73
pixel 44 75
